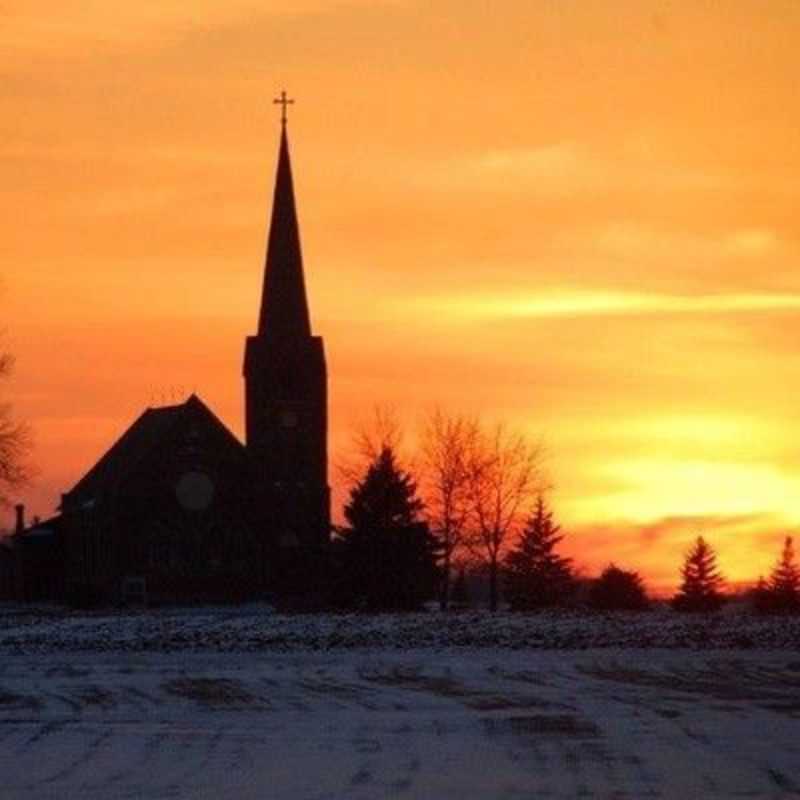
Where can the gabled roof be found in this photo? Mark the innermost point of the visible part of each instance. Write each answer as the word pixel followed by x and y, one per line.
pixel 136 443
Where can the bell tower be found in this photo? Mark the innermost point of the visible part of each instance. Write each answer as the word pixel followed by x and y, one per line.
pixel 286 404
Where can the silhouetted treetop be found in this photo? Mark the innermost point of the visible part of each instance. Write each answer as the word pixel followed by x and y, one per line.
pixel 535 575
pixel 785 578
pixel 701 580
pixel 385 498
pixel 782 592
pixel 385 558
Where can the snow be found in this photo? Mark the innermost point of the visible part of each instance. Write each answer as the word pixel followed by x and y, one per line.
pixel 257 628
pixel 245 703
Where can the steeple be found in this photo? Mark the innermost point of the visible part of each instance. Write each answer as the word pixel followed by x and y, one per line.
pixel 286 386
pixel 284 306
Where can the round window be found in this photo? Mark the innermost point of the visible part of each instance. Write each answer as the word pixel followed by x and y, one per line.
pixel 195 491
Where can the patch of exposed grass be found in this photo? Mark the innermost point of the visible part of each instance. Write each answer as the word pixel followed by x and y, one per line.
pixel 95 696
pixel 210 691
pixel 567 725
pixel 11 700
pixel 446 686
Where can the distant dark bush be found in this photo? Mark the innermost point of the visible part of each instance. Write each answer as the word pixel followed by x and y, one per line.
pixel 618 590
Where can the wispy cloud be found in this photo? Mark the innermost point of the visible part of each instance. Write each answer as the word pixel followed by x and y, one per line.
pixel 101 24
pixel 558 168
pixel 575 303
pixel 626 239
pixel 700 486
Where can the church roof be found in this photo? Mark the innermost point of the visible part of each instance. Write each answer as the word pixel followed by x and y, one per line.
pixel 284 305
pixel 43 529
pixel 136 443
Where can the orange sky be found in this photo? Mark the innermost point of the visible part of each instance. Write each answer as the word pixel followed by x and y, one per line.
pixel 577 217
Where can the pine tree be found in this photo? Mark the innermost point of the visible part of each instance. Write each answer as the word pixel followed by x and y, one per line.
pixel 618 590
pixel 701 580
pixel 385 556
pixel 782 592
pixel 535 577
pixel 760 595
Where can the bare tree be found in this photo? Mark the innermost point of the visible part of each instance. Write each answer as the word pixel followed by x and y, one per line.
pixel 503 475
pixel 15 444
pixel 383 430
pixel 447 445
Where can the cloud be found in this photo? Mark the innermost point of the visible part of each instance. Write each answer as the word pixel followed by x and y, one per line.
pixel 561 168
pixel 102 24
pixel 753 242
pixel 637 241
pixel 703 485
pixel 698 525
pixel 577 303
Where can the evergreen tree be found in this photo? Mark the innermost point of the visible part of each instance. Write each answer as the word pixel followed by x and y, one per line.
pixel 701 580
pixel 535 577
pixel 760 595
pixel 385 556
pixel 782 592
pixel 618 590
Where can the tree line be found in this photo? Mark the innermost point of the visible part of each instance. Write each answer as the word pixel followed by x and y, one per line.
pixel 482 499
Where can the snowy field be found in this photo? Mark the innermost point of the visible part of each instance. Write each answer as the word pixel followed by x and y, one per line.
pixel 227 704
pixel 255 628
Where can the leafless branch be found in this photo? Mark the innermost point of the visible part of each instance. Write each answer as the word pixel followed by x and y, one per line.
pixel 15 444
pixel 503 475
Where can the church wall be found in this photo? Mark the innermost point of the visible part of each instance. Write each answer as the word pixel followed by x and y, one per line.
pixel 189 524
pixel 185 525
pixel 39 567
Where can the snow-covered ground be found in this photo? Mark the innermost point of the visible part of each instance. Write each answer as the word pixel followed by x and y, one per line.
pixel 185 705
pixel 255 628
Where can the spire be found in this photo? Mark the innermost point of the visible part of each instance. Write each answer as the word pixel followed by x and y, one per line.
pixel 284 307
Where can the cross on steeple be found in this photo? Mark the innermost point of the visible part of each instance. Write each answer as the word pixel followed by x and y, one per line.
pixel 283 101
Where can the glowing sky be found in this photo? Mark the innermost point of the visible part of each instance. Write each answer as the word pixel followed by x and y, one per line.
pixel 579 217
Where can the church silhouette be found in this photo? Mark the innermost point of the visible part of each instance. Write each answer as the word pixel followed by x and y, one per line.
pixel 178 509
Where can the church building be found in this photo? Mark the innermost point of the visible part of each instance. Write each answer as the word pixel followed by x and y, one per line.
pixel 178 509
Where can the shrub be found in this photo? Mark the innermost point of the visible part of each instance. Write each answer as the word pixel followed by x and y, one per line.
pixel 618 590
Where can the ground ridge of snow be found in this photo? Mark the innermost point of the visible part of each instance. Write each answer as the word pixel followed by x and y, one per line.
pixel 259 629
